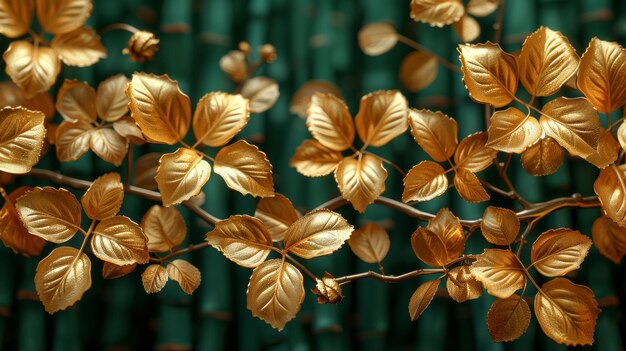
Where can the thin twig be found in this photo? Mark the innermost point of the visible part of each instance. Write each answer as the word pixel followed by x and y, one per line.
pixel 419 47
pixel 302 268
pixel 186 250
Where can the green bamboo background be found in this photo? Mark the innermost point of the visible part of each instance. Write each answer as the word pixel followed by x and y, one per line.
pixel 315 39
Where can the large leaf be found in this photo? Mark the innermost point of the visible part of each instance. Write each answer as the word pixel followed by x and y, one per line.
pixel 277 213
pixel 370 243
pixel 361 180
pixel 275 292
pixel 469 186
pixel 425 181
pixel 33 69
pixel 500 272
pixel 421 298
pixel 22 135
pixel 610 186
pixel 16 17
pixel 330 122
pixel 219 117
pixel 382 117
pixel 559 251
pixel 181 175
pixel 185 274
pixel 543 158
pixel 109 145
pixel 164 227
pixel 437 12
pixel 104 197
pixel 245 169
pixel 314 159
pixel 499 226
pixel 120 241
pixel 435 132
pixel 80 47
pixel 72 140
pixel 473 154
pixel 62 16
pixel 609 238
pixel 317 233
pixel 508 318
pixel 511 130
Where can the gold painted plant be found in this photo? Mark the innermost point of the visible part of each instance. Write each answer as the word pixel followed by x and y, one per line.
pixel 148 108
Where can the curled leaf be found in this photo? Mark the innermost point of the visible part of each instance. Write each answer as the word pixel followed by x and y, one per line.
pixel 80 47
pixel 511 130
pixel 462 285
pixel 610 186
pixel 185 274
pixel 609 238
pixel 113 271
pixel 473 154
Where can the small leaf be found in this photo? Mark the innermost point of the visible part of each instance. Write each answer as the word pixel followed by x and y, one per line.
pixel 162 111
pixel 108 145
pixel 421 298
pixel 567 312
pixel 512 131
pixel 80 47
pixel 543 158
pixel 382 117
pixel 425 181
pixel 219 117
pixel 481 8
pixel 277 213
pixel 610 186
pixel 377 38
pixel 63 16
pixel 186 274
pixel 429 247
pixel 508 319
pixel 113 271
pixel 329 121
pixel 302 97
pixel 370 243
pixel 609 238
pixel 462 286
pixel 275 292
pixel 437 12
pixel 53 214
pixel 120 241
pixel 435 132
pixel 104 197
pixel 72 140
pixel 559 251
pixel 62 278
pixel 314 159
pixel 234 65
pixel 76 101
pixel 181 175
pixel 22 134
pixel 361 180
pixel 473 154
pixel 13 233
pixel 164 227
pixel 318 233
pixel 262 93
pixel 469 186
pixel 500 272
pixel 16 17
pixel 467 28
pixel 33 70
pixel 245 169
pixel 242 239
pixel 500 226
pixel 489 74
pixel 154 278
pixel 111 99
pixel 418 70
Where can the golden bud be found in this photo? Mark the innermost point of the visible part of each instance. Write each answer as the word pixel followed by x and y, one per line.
pixel 268 53
pixel 328 290
pixel 245 48
pixel 142 46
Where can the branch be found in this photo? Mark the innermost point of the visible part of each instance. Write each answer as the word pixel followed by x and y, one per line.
pixel 186 250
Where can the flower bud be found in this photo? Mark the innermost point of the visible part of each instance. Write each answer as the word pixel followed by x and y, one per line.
pixel 268 53
pixel 142 46
pixel 328 290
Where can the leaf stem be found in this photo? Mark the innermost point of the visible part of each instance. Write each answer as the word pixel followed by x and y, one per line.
pixel 186 250
pixel 302 268
pixel 419 47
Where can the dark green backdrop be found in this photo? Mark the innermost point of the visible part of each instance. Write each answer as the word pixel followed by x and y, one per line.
pixel 315 39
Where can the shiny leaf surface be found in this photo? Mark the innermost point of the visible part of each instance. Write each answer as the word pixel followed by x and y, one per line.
pixel 330 122
pixel 245 169
pixel 185 274
pixel 33 70
pixel 120 241
pixel 418 70
pixel 421 298
pixel 511 130
pixel 361 180
pixel 242 239
pixel 469 186
pixel 277 213
pixel 22 134
pixel 318 233
pixel 437 12
pixel 164 227
pixel 262 92
pixel 508 319
pixel 181 175
pixel 462 286
pixel 382 117
pixel 559 251
pixel 435 132
pixel 370 243
pixel 314 159
pixel 425 181
pixel 80 47
pixel 104 197
pixel 219 117
pixel 543 158
pixel 499 226
pixel 500 272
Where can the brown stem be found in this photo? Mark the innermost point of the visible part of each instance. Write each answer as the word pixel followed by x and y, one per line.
pixel 302 268
pixel 186 250
pixel 129 166
pixel 497 27
pixel 119 26
pixel 419 47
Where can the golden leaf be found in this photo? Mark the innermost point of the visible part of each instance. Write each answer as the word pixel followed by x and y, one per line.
pixel 429 247
pixel 559 251
pixel 546 62
pixel 164 227
pixel 573 123
pixel 33 70
pixel 262 93
pixel 543 158
pixel 72 140
pixel 499 226
pixel 104 197
pixel 161 110
pixel 109 145
pixel 567 312
pixel 62 278
pixel 154 278
pixel 609 238
pixel 12 95
pixel 481 8
pixel 610 186
pixel 511 130
pixel 145 170
pixel 370 243
pixel 418 70
pixel 473 154
pixel 111 99
pixel 245 169
pixel 120 241
pixel 425 181
pixel 361 180
pixel 181 175
pixel 330 122
pixel 275 292
pixel 489 73
pixel 22 134
pixel 437 12
pixel 500 272
pixel 467 28
pixel 508 319
pixel 16 17
pixel 469 186
pixel 62 16
pixel 219 117
pixel 113 271
pixel 302 97
pixel 234 65
pixel 53 214
pixel 601 75
pixel 242 239
pixel 127 128
pixel 422 297
pixel 621 135
pixel 185 274
pixel 277 213
pixel 314 159
pixel 80 47
pixel 76 101
pixel 435 132
pixel 441 241
pixel 377 38
pixel 606 152
pixel 462 286
pixel 13 233
pixel 382 117
pixel 318 233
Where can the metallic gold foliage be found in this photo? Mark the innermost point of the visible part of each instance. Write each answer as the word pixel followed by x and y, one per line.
pixel 242 239
pixel 262 93
pixel 314 159
pixel 609 238
pixel 72 140
pixel 16 17
pixel 164 228
pixel 111 100
pixel 435 132
pixel 441 241
pixel 219 117
pixel 559 251
pixel 424 182
pixel 113 271
pixel 377 38
pixel 606 152
pixel 469 186
pixel 234 65
pixel 508 318
pixel 361 180
pixel 382 117
pixel 462 286
pixel 13 233
pixel 104 197
pixel 80 47
pixel 76 101
pixel 499 226
pixel 185 274
pixel 437 12
pixel 421 298
pixel 417 70
pixel 327 290
pixel 481 8
pixel 154 278
pixel 370 243
pixel 108 145
pixel 120 241
pixel 467 28
pixel 33 70
pixel 473 154
pixel 64 15
pixel 22 134
pixel 302 97
pixel 511 130
pixel 277 213
pixel 181 175
pixel 500 272
pixel 145 170
pixel 610 186
pixel 543 158
pixel 245 169
pixel 142 46
pixel 330 122
pixel 317 233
